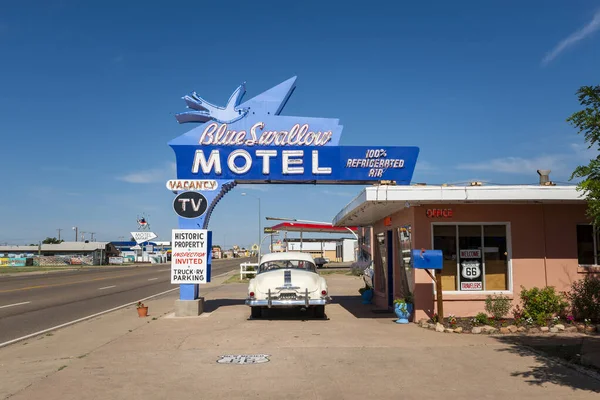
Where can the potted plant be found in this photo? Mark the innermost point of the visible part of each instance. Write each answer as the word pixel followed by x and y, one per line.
pixel 403 307
pixel 142 309
pixel 366 293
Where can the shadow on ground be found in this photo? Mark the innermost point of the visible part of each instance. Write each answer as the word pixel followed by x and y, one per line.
pixel 214 304
pixel 353 304
pixel 549 370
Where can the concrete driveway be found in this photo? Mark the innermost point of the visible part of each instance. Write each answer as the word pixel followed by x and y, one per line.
pixel 354 354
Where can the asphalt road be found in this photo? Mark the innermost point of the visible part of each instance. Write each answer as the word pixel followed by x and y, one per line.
pixel 31 303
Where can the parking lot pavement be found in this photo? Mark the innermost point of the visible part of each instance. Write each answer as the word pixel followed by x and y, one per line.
pixel 353 354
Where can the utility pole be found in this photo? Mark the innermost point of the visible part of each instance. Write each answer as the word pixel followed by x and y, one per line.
pixel 76 232
pixel 59 233
pixel 92 233
pixel 83 236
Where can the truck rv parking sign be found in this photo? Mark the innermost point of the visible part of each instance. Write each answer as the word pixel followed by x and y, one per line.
pixel 190 258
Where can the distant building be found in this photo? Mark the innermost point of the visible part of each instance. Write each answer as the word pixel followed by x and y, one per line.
pixel 92 253
pixel 216 252
pixel 337 250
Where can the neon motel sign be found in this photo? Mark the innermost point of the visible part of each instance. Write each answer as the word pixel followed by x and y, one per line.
pixel 251 142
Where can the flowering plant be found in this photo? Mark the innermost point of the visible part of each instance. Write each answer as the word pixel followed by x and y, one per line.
pixel 452 319
pixel 140 305
pixel 570 319
pixel 587 321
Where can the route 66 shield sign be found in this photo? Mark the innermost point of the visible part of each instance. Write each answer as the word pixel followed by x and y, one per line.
pixel 471 269
pixel 243 359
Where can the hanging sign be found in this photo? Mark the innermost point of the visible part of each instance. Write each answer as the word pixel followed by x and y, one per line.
pixel 471 277
pixel 190 204
pixel 251 142
pixel 190 259
pixel 191 184
pixel 142 236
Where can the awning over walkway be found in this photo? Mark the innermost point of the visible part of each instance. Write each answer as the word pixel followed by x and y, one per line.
pixel 376 202
pixel 307 227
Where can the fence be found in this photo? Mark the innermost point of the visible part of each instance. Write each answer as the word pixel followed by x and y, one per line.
pixel 245 271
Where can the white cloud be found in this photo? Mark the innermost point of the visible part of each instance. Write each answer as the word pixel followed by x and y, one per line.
pixel 573 38
pixel 515 165
pixel 151 175
pixel 519 165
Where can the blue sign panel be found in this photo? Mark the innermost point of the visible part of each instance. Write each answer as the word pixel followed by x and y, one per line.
pixel 428 259
pixel 296 163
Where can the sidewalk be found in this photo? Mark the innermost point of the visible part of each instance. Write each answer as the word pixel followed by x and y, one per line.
pixel 354 354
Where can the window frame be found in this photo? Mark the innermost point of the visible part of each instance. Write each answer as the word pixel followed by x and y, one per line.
pixel 508 266
pixel 595 233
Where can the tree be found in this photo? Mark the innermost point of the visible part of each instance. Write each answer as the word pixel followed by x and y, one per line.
pixel 587 121
pixel 52 240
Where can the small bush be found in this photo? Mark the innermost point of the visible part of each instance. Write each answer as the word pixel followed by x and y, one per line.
pixel 542 304
pixel 497 306
pixel 585 298
pixel 481 319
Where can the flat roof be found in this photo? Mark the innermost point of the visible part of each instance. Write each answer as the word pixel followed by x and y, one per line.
pixel 64 246
pixel 308 227
pixel 376 202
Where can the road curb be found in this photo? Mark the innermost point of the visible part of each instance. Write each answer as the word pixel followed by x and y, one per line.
pixel 82 319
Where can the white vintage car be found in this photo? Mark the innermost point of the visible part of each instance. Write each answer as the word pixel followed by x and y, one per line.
pixel 288 279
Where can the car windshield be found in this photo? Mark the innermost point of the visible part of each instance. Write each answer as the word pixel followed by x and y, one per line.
pixel 286 264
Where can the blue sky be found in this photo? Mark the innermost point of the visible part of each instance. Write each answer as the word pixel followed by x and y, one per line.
pixel 88 93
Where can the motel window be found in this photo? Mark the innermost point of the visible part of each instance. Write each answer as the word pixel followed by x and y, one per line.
pixel 475 257
pixel 587 245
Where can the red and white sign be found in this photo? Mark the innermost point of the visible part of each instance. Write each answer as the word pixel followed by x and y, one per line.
pixel 189 256
pixel 471 286
pixel 470 254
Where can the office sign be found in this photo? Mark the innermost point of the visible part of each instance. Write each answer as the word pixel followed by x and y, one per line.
pixel 190 204
pixel 190 258
pixel 251 142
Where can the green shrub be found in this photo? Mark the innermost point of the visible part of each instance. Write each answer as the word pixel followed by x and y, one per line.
pixel 585 298
pixel 497 306
pixel 542 304
pixel 481 319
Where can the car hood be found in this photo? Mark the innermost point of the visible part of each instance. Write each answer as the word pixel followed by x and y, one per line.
pixel 299 279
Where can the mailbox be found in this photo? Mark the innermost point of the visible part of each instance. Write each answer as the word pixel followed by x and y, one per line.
pixel 428 259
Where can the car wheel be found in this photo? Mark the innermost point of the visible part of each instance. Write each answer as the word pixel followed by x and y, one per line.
pixel 320 311
pixel 256 312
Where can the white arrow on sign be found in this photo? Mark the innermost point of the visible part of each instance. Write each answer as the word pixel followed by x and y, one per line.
pixel 141 237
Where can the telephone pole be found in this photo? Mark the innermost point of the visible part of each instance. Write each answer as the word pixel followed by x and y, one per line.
pixel 92 233
pixel 59 233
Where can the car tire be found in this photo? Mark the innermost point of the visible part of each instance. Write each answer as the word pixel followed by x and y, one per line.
pixel 255 312
pixel 320 311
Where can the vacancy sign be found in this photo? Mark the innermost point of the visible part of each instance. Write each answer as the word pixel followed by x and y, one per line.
pixel 189 256
pixel 141 236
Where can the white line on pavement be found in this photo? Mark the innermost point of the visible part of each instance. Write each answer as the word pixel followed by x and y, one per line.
pixel 83 319
pixel 107 287
pixel 163 270
pixel 16 304
pixel 152 279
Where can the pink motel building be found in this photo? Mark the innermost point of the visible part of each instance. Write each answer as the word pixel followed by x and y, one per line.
pixel 494 239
